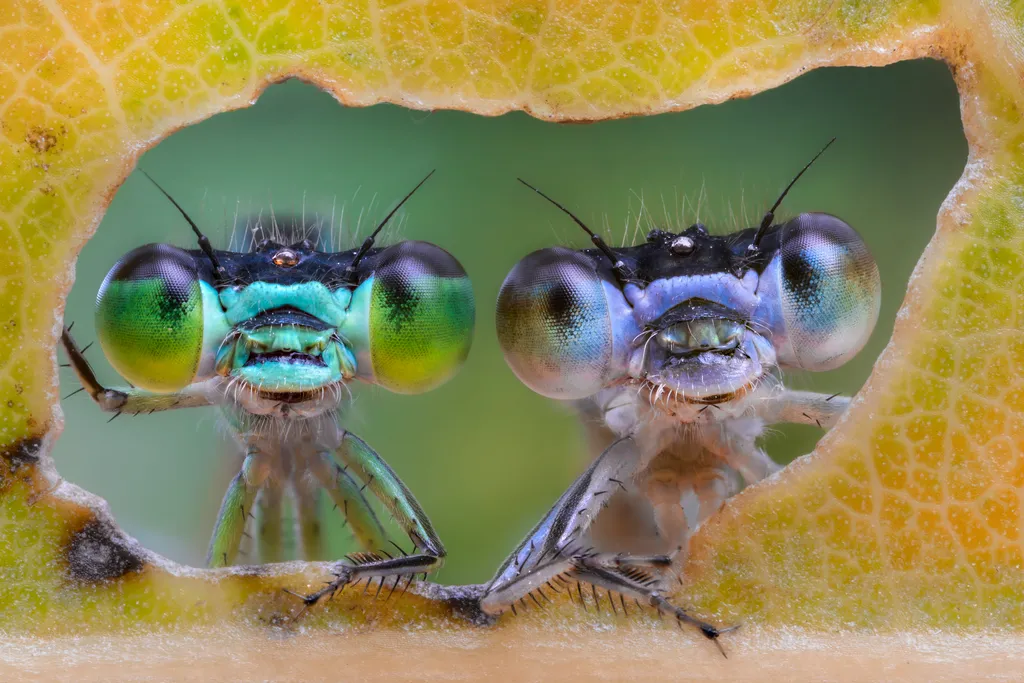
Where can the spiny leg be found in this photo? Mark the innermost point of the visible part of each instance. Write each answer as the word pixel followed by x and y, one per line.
pixel 597 572
pixel 350 501
pixel 555 548
pixel 553 571
pixel 365 465
pixel 560 532
pixel 235 509
pixel 127 400
pixel 803 407
pixel 735 440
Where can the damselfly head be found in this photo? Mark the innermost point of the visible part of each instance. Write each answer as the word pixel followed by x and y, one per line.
pixel 704 316
pixel 287 319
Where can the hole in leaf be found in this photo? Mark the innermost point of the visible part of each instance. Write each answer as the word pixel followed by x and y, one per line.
pixel 484 455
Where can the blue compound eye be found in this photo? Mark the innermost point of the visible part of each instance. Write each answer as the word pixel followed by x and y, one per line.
pixel 830 292
pixel 556 324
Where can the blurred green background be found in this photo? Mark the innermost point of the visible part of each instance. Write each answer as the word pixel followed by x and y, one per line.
pixel 484 455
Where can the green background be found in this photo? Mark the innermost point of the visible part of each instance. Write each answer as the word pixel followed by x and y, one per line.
pixel 484 455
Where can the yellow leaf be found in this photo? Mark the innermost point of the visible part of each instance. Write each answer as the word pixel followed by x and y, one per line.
pixel 906 518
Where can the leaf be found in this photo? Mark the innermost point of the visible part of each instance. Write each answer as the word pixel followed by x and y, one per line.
pixel 908 515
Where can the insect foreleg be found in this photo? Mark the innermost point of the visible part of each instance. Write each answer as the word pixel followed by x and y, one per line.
pixel 803 407
pixel 127 400
pixel 368 467
pixel 560 539
pixel 235 509
pixel 347 496
pixel 734 441
pixel 365 465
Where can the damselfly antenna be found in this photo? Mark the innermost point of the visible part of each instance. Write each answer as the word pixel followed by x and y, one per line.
pixel 367 244
pixel 618 267
pixel 766 222
pixel 204 242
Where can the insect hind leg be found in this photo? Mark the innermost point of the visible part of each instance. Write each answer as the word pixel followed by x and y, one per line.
pixel 362 463
pixel 598 571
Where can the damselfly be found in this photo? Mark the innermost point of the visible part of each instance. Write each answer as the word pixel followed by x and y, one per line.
pixel 273 336
pixel 671 351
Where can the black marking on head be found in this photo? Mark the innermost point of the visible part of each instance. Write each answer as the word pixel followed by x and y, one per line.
pixel 283 316
pixel 662 255
pixel 99 552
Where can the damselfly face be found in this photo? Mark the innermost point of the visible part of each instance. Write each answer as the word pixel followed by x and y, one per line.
pixel 697 317
pixel 287 322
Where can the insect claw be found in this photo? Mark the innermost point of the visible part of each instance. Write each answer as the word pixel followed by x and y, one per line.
pixel 712 633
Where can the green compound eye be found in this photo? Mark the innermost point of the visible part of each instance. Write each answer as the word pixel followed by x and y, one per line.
pixel 412 319
pixel 149 317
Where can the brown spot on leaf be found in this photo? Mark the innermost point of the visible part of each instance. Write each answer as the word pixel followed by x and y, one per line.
pixel 100 552
pixel 24 453
pixel 43 139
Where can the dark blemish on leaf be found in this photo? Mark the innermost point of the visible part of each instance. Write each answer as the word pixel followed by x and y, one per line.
pixel 24 453
pixel 42 139
pixel 99 552
pixel 463 601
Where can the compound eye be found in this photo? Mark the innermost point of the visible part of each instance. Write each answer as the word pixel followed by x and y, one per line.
pixel 149 317
pixel 555 324
pixel 419 317
pixel 830 290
